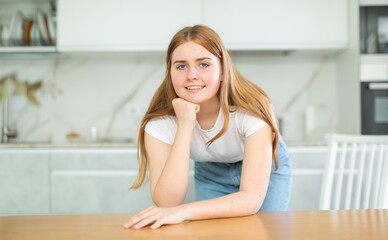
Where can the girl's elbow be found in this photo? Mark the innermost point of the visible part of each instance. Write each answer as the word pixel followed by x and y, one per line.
pixel 166 202
pixel 255 203
pixel 255 208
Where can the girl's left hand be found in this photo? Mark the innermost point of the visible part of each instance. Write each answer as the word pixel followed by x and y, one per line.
pixel 156 216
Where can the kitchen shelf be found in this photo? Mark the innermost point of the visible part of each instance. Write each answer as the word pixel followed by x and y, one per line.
pixel 28 8
pixel 28 49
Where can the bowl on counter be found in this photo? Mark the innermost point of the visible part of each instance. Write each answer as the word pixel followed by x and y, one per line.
pixel 73 137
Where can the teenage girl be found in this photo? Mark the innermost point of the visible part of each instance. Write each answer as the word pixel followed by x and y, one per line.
pixel 207 111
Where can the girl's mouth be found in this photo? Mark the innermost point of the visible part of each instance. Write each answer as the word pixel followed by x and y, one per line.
pixel 194 87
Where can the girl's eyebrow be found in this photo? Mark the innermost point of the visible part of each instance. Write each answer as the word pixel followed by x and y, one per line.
pixel 198 59
pixel 203 58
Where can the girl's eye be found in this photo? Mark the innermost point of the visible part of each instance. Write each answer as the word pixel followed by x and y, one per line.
pixel 203 65
pixel 181 67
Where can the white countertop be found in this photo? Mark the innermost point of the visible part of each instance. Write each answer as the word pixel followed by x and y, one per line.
pixel 67 145
pixel 122 145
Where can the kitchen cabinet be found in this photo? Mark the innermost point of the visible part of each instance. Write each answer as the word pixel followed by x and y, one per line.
pixel 118 25
pixel 24 181
pixel 14 19
pixel 291 24
pixel 96 181
pixel 73 181
pixel 122 25
pixel 308 168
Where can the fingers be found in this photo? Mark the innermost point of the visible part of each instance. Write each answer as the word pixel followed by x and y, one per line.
pixel 197 108
pixel 156 217
pixel 157 224
pixel 146 221
pixel 183 101
pixel 140 216
pixel 179 104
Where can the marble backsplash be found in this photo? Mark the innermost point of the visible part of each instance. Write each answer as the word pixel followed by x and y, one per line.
pixel 109 93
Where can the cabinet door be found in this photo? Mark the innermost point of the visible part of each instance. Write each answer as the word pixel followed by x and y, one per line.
pixel 278 24
pixel 98 25
pixel 308 167
pixel 24 182
pixel 96 181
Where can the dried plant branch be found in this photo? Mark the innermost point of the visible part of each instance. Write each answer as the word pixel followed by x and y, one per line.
pixel 21 88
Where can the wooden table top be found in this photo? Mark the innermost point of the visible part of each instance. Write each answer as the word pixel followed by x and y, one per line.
pixel 343 224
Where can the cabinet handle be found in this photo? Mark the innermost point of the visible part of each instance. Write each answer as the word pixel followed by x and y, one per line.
pixel 378 86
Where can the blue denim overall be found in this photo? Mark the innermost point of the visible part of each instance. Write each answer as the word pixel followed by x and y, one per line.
pixel 213 179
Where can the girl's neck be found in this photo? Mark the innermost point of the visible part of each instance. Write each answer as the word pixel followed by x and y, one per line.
pixel 207 116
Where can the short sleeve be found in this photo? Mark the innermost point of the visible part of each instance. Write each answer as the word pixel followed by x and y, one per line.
pixel 248 123
pixel 162 128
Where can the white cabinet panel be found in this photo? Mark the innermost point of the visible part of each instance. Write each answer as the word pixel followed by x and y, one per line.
pixel 81 181
pixel 278 24
pixel 305 192
pixel 97 182
pixel 100 193
pixel 96 193
pixel 308 167
pixel 125 25
pixel 94 159
pixel 24 182
pixel 122 24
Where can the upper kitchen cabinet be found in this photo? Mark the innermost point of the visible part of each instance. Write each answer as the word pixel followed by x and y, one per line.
pixel 278 25
pixel 27 26
pixel 122 25
pixel 129 25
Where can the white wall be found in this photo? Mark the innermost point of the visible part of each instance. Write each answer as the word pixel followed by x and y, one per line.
pixel 349 104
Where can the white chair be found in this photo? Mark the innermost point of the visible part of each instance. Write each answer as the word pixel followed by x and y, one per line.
pixel 356 173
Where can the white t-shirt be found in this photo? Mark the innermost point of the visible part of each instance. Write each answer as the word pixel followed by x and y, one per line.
pixel 228 148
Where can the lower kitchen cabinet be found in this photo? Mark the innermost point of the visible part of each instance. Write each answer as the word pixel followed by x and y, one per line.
pixel 308 167
pixel 96 193
pixel 24 181
pixel 96 181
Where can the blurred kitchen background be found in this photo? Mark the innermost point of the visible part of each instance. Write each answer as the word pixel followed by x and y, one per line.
pixel 99 63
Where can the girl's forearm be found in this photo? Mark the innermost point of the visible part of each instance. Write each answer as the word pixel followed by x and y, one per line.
pixel 232 205
pixel 172 185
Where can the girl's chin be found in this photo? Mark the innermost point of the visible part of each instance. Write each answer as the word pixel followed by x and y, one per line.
pixel 198 101
pixel 191 100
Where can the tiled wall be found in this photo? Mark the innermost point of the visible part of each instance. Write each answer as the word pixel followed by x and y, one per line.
pixel 102 91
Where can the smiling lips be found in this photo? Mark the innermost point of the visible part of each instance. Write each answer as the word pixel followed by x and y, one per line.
pixel 194 87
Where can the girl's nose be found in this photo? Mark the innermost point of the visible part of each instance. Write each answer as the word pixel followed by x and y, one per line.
pixel 192 73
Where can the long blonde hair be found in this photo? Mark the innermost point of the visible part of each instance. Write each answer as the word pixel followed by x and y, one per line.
pixel 235 90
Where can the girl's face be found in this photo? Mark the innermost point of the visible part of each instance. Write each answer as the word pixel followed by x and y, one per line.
pixel 195 73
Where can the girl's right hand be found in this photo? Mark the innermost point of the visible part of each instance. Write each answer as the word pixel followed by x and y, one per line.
pixel 186 112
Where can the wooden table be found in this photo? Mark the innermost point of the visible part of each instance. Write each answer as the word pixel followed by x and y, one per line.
pixel 349 224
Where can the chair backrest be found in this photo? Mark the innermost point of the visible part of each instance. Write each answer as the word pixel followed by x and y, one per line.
pixel 356 173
